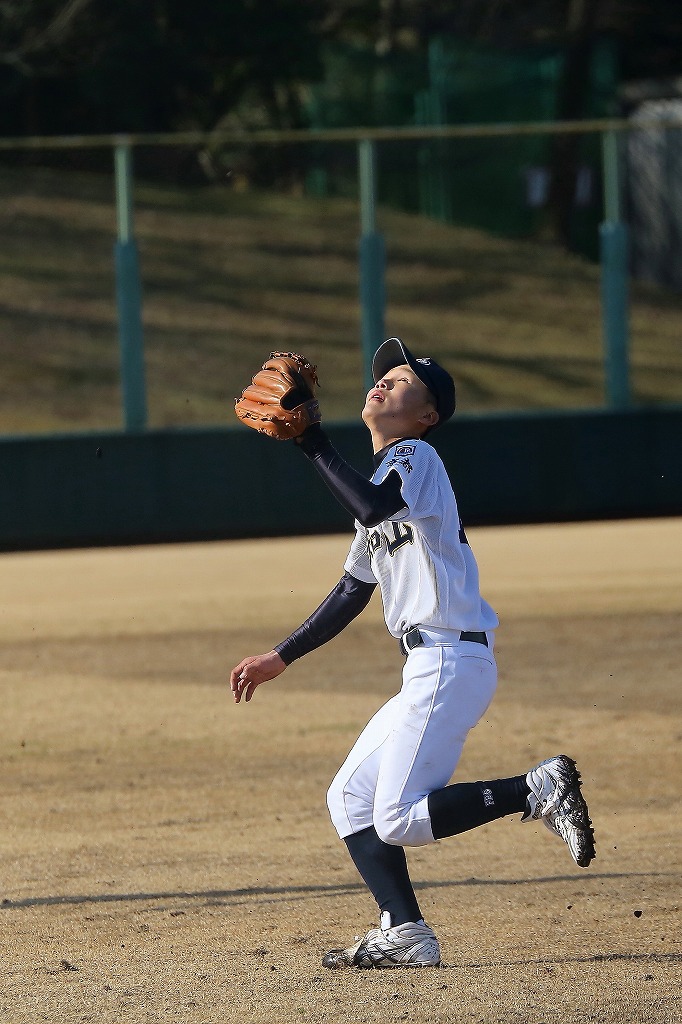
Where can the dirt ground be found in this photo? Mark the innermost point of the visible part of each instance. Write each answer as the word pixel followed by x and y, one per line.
pixel 167 856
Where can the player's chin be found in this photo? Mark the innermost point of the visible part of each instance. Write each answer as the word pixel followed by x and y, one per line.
pixel 371 410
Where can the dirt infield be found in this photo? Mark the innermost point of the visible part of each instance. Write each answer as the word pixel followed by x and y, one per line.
pixel 166 855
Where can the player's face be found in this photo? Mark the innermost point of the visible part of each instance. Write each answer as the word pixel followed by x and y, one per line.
pixel 400 403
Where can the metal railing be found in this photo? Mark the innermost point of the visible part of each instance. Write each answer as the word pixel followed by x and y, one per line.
pixel 372 251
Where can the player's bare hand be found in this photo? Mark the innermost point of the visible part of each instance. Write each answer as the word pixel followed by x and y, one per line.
pixel 253 671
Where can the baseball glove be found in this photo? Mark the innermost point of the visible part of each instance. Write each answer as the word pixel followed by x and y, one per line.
pixel 280 401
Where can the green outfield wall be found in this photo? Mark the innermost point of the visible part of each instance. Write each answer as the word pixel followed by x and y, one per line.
pixel 185 485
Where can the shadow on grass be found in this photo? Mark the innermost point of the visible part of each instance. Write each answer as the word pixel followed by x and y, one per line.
pixel 595 958
pixel 274 893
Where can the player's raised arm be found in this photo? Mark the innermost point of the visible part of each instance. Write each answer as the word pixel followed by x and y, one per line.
pixel 281 403
pixel 368 502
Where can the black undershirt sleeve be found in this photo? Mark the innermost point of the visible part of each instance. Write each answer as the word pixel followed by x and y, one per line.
pixel 339 608
pixel 369 503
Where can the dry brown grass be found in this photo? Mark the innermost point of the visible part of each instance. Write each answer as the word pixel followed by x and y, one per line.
pixel 166 855
pixel 228 276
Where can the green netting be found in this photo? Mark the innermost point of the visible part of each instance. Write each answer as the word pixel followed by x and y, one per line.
pixel 498 184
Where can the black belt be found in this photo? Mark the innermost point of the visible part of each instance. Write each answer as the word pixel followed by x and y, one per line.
pixel 413 638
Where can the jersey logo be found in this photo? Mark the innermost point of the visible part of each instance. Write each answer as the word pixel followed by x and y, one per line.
pixel 401 462
pixel 402 534
pixel 405 450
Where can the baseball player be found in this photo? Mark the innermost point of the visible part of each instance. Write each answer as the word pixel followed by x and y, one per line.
pixel 393 789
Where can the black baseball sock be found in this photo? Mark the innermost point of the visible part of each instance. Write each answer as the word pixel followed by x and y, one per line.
pixel 467 805
pixel 384 871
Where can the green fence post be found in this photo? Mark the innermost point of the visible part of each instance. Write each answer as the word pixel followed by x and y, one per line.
pixel 128 296
pixel 613 238
pixel 372 262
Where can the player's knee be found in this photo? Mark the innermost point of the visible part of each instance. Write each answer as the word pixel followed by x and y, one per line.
pixel 406 823
pixel 393 828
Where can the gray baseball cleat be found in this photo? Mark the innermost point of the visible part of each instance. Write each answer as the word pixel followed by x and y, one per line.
pixel 405 945
pixel 555 798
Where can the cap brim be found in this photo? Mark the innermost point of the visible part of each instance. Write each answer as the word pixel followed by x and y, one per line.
pixel 389 354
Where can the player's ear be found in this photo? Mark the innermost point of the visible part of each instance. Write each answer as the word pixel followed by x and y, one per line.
pixel 429 418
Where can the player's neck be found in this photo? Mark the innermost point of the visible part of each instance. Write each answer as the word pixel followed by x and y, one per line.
pixel 381 440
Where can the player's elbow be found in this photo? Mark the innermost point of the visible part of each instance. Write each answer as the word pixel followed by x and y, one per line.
pixel 369 518
pixel 381 508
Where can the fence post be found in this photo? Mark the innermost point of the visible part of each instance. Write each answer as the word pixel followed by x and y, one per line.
pixel 128 296
pixel 613 237
pixel 372 262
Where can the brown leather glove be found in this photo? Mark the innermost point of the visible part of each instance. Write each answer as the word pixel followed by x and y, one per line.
pixel 280 401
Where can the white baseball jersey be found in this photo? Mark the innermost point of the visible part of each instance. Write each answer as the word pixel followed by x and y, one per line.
pixel 420 557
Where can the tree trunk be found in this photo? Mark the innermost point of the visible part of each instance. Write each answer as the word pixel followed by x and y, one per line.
pixel 571 101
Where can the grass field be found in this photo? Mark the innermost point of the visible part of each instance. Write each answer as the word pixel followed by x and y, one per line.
pixel 167 856
pixel 230 275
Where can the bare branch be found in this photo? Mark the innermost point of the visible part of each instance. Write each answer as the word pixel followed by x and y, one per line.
pixel 54 35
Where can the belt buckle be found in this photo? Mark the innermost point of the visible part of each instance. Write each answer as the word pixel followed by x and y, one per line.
pixel 410 640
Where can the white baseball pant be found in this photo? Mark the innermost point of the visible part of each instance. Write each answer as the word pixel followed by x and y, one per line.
pixel 411 746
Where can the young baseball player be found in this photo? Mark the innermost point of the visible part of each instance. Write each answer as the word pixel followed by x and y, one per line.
pixel 392 791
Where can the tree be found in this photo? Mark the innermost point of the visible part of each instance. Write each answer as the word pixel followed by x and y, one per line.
pixel 157 66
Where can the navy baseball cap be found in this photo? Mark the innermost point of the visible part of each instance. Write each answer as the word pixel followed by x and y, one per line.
pixel 437 380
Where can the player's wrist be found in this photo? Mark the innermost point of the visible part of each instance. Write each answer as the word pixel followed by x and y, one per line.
pixel 286 651
pixel 313 440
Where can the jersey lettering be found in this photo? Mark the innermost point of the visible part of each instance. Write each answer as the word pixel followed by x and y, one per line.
pixel 374 541
pixel 402 534
pixel 405 463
